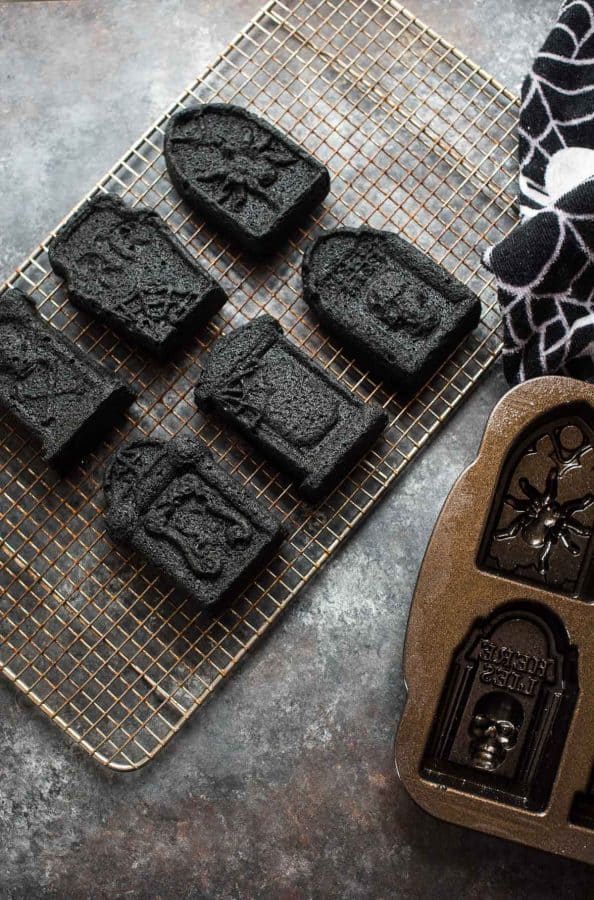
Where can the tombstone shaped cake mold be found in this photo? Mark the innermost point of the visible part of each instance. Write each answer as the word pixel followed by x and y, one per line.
pixel 497 731
pixel 305 420
pixel 393 307
pixel 127 268
pixel 65 399
pixel 177 507
pixel 242 174
pixel 514 676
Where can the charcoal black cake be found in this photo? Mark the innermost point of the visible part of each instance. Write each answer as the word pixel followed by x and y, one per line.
pixel 242 174
pixel 290 407
pixel 60 395
pixel 174 504
pixel 393 307
pixel 128 269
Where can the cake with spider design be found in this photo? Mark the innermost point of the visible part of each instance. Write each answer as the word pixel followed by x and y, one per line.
pixel 309 423
pixel 242 174
pixel 128 269
pixel 64 399
pixel 171 502
pixel 392 306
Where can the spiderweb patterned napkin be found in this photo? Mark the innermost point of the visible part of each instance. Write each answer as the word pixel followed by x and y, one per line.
pixel 545 267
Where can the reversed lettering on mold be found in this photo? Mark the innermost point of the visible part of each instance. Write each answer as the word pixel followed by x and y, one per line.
pixel 507 667
pixel 505 708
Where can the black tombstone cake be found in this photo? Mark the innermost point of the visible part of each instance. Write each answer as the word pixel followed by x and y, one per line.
pixel 60 395
pixel 242 174
pixel 174 504
pixel 393 307
pixel 298 414
pixel 128 269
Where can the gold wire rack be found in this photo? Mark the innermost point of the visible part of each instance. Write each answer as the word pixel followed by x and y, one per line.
pixel 417 139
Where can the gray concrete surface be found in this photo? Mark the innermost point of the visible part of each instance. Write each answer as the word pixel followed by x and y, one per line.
pixel 283 786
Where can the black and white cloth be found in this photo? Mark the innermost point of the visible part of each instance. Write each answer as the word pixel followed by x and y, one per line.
pixel 545 267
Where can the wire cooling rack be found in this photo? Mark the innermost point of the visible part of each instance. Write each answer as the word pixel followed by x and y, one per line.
pixel 418 139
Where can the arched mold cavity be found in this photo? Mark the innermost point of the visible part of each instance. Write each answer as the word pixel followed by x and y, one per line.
pixel 540 527
pixel 505 709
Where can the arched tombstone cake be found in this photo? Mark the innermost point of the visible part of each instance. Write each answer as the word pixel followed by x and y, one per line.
pixel 305 420
pixel 126 267
pixel 394 308
pixel 242 174
pixel 65 399
pixel 496 733
pixel 174 504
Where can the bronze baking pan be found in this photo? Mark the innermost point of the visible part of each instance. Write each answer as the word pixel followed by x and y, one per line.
pixel 497 731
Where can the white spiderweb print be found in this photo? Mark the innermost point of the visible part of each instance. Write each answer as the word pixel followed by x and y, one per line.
pixel 545 267
pixel 545 270
pixel 558 109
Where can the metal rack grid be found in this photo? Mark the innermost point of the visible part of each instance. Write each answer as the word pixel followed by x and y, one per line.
pixel 418 139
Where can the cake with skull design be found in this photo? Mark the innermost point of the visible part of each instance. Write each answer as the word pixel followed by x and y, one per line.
pixel 392 306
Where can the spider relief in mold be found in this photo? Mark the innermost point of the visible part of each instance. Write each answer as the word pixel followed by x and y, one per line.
pixel 544 519
pixel 241 174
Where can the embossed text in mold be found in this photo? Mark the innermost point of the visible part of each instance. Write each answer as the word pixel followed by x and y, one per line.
pixel 510 668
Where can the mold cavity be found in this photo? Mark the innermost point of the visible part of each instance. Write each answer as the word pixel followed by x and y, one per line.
pixel 505 708
pixel 541 526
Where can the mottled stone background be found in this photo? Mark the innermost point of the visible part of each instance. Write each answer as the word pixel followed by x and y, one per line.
pixel 283 786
